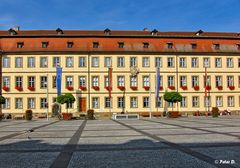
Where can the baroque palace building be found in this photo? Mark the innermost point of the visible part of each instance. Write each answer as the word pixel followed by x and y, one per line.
pixel 29 60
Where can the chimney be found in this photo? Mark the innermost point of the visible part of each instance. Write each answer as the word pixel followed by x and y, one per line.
pixel 145 29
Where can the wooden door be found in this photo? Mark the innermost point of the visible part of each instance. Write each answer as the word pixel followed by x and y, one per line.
pixel 82 104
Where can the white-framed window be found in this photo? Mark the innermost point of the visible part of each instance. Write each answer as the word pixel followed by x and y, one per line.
pixel 183 103
pixel 95 102
pixel 43 103
pixel 133 102
pixel 95 62
pixel 31 62
pixel 31 103
pixel 195 81
pixel 206 62
pixel 158 62
pixel 18 81
pixel 230 81
pixel 69 61
pixel 145 102
pixel 121 102
pixel 133 61
pixel 82 81
pixel 121 81
pixel 145 62
pixel 170 62
pixel 170 104
pixel 183 81
pixel 207 101
pixel 195 101
pixel 218 81
pixel 230 101
pixel 31 81
pixel 44 82
pixel 7 104
pixel 69 81
pixel 43 62
pixel 54 82
pixel 82 61
pixel 182 62
pixel 219 101
pixel 120 62
pixel 208 82
pixel 238 62
pixel 218 62
pixel 6 81
pixel 170 80
pixel 95 81
pixel 107 102
pixel 133 81
pixel 146 81
pixel 194 62
pixel 18 62
pixel 69 105
pixel 18 103
pixel 6 62
pixel 159 102
pixel 107 62
pixel 229 62
pixel 106 81
pixel 56 61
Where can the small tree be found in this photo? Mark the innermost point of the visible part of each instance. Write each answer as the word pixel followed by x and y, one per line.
pixel 2 100
pixel 67 98
pixel 172 97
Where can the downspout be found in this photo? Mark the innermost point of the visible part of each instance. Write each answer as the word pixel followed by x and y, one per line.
pixel 89 84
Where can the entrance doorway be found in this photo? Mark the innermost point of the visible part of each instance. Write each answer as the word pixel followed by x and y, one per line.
pixel 56 109
pixel 82 104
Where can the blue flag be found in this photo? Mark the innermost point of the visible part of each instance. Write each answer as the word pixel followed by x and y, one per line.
pixel 59 80
pixel 158 82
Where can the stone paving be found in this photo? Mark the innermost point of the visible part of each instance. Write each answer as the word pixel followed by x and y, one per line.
pixel 158 142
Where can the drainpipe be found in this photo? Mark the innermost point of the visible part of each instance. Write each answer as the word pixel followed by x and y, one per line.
pixel 89 84
pixel 1 54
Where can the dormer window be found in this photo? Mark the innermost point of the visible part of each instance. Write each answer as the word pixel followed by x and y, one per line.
pixel 145 45
pixel 154 32
pixel 69 44
pixel 44 44
pixel 238 46
pixel 199 32
pixel 20 44
pixel 95 44
pixel 59 31
pixel 169 45
pixel 12 32
pixel 107 31
pixel 120 44
pixel 194 45
pixel 216 46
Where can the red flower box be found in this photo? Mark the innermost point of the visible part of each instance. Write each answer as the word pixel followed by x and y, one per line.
pixel 146 87
pixel 171 87
pixel 161 88
pixel 19 88
pixel 122 88
pixel 184 87
pixel 31 88
pixel 108 88
pixel 231 87
pixel 6 88
pixel 95 87
pixel 82 88
pixel 133 87
pixel 219 87
pixel 70 88
pixel 196 88
pixel 208 87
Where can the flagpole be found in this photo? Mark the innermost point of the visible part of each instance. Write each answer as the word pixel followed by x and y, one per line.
pixel 206 108
pixel 150 95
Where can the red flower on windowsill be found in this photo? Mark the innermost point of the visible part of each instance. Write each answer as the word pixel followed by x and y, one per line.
pixel 184 87
pixel 133 87
pixel 161 88
pixel 171 87
pixel 231 87
pixel 83 88
pixel 108 88
pixel 196 88
pixel 6 88
pixel 95 87
pixel 122 88
pixel 208 87
pixel 146 87
pixel 70 88
pixel 19 88
pixel 31 88
pixel 219 87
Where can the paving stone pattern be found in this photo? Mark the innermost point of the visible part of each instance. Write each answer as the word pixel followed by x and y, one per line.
pixel 201 142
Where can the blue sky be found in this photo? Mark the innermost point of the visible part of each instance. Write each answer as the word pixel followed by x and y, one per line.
pixel 164 15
